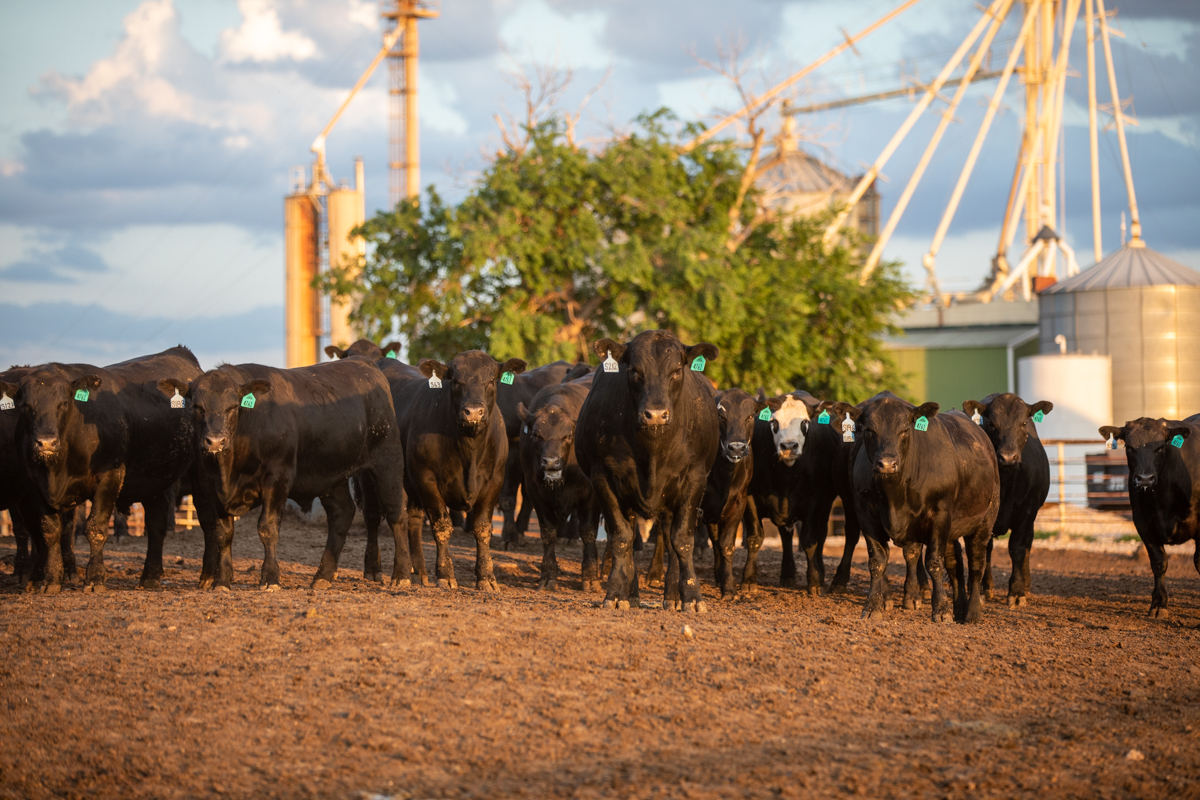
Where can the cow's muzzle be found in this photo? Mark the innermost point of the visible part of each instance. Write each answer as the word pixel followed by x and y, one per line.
pixel 735 451
pixel 1145 480
pixel 471 414
pixel 45 446
pixel 655 417
pixel 1009 458
pixel 215 444
pixel 887 465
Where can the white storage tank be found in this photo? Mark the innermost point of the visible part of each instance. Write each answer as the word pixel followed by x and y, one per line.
pixel 1080 386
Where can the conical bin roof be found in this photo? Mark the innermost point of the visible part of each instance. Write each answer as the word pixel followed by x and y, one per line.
pixel 1127 268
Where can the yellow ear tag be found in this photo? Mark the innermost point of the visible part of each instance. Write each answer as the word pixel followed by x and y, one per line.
pixel 248 400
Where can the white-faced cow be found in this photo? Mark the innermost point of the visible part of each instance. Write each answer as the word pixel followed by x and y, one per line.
pixel 923 479
pixel 1164 490
pixel 265 435
pixel 106 435
pixel 647 438
pixel 1010 424
pixel 455 446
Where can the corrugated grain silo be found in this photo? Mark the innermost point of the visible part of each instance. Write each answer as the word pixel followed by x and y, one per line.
pixel 1143 309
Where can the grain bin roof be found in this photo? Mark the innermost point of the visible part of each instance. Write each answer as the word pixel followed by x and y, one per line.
pixel 1127 268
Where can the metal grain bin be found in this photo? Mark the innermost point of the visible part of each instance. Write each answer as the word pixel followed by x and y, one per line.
pixel 1143 309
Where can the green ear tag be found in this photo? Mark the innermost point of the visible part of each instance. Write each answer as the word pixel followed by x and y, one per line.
pixel 1039 416
pixel 82 395
pixel 507 378
pixel 922 424
pixel 1177 441
pixel 765 414
pixel 698 364
pixel 823 417
pixel 391 353
pixel 248 400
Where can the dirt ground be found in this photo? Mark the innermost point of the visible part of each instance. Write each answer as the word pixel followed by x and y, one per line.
pixel 362 692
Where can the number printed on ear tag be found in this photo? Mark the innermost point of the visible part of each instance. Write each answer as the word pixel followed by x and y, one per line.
pixel 248 401
pixel 848 430
pixel 1177 441
pixel 82 395
pixel 391 354
pixel 977 418
pixel 1039 416
pixel 610 363
pixel 434 381
pixel 507 378
pixel 1111 444
pixel 6 403
pixel 764 415
pixel 698 364
pixel 177 399
pixel 922 424
pixel 823 418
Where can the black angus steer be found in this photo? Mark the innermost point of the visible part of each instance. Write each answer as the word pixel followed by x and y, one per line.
pixel 516 389
pixel 1010 424
pixel 15 487
pixel 107 435
pixel 265 435
pixel 923 478
pixel 727 491
pixel 455 447
pixel 647 438
pixel 1164 490
pixel 365 348
pixel 553 482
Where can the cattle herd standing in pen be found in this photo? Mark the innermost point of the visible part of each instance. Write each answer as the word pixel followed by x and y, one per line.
pixel 644 442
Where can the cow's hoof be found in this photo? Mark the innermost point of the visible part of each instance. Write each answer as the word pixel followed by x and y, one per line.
pixel 319 585
pixel 814 591
pixel 872 615
pixel 275 587
pixel 839 588
pixel 548 585
pixel 593 586
pixel 696 607
pixel 30 588
pixel 222 588
pixel 888 605
pixel 205 583
pixel 1159 613
pixel 619 605
pixel 447 583
pixel 487 585
pixel 787 583
pixel 974 615
pixel 426 580
pixel 912 605
pixel 373 577
pixel 747 591
pixel 1019 600
pixel 54 588
pixel 671 605
pixel 399 583
pixel 94 588
pixel 150 584
pixel 987 595
pixel 943 616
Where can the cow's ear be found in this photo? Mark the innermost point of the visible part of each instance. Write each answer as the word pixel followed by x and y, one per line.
pixel 88 382
pixel 847 410
pixel 523 413
pixel 775 403
pixel 760 402
pixel 605 346
pixel 8 389
pixel 1181 430
pixel 333 351
pixel 969 407
pixel 430 367
pixel 168 386
pixel 1044 406
pixel 926 410
pixel 709 351
pixel 514 365
pixel 257 387
pixel 1112 431
pixel 391 347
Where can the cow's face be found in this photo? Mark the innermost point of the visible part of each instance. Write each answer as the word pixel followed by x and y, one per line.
pixel 655 365
pixel 1003 418
pixel 790 419
pixel 736 412
pixel 551 431
pixel 46 402
pixel 471 379
pixel 1147 445
pixel 888 426
pixel 217 398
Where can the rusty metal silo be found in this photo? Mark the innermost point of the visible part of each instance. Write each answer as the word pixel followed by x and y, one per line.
pixel 1143 309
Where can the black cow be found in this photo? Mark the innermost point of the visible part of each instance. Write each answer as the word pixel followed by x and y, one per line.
pixel 726 493
pixel 455 446
pixel 365 348
pixel 516 389
pixel 1164 490
pixel 647 438
pixel 105 435
pixel 553 482
pixel 923 478
pixel 265 435
pixel 16 486
pixel 1024 481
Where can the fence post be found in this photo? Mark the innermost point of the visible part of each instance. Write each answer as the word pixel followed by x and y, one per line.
pixel 1062 490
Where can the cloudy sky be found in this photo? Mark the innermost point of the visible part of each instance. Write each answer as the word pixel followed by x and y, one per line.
pixel 145 144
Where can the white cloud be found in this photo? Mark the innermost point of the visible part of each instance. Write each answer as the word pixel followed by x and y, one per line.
pixel 536 32
pixel 261 37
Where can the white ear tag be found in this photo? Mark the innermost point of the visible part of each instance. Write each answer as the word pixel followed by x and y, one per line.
pixel 1111 444
pixel 177 400
pixel 847 430
pixel 6 403
pixel 434 381
pixel 610 363
pixel 976 418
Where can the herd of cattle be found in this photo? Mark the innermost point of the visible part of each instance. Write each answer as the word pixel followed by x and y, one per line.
pixel 644 440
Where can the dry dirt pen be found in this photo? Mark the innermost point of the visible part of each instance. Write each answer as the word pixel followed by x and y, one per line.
pixel 362 692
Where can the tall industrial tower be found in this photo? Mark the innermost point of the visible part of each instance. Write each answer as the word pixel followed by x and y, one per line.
pixel 404 150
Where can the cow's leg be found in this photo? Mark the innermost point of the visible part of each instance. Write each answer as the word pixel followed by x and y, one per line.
pixel 912 585
pixel 439 519
pixel 841 578
pixel 681 527
pixel 877 602
pixel 666 536
pixel 103 503
pixel 160 512
pixel 1020 543
pixel 549 520
pixel 935 561
pixel 752 537
pixel 22 562
pixel 524 514
pixel 588 513
pixel 480 522
pixel 620 536
pixel 977 549
pixel 989 583
pixel 724 546
pixel 416 522
pixel 66 545
pixel 372 517
pixel 206 514
pixel 646 528
pixel 389 499
pixel 513 476
pixel 1159 561
pixel 923 579
pixel 223 556
pixel 958 578
pixel 274 498
pixel 813 530
pixel 339 514
pixel 787 569
pixel 50 574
